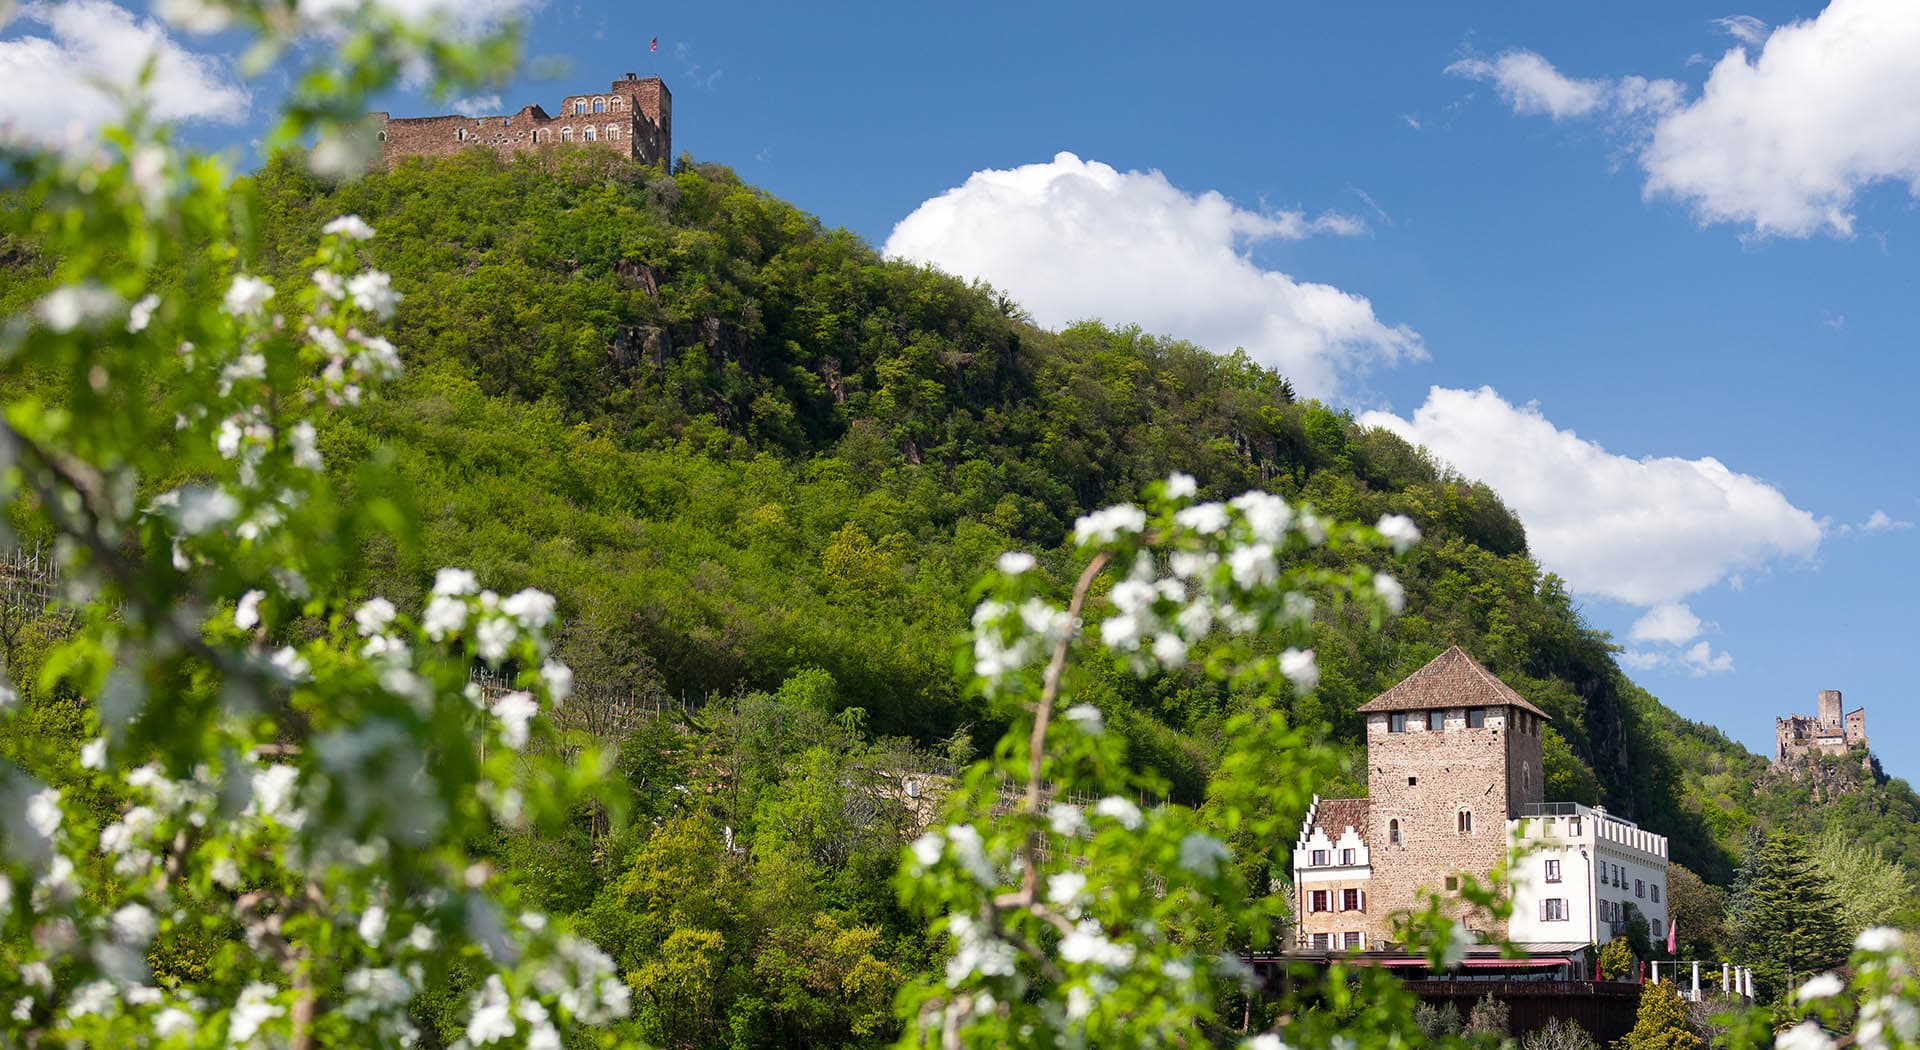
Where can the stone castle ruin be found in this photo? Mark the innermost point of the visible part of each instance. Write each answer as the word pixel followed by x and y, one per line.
pixel 1826 733
pixel 634 117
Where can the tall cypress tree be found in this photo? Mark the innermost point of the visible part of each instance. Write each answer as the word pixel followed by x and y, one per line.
pixel 1788 920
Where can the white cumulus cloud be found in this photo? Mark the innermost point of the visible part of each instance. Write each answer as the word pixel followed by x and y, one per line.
pixel 1532 86
pixel 1788 129
pixel 476 105
pixel 1073 239
pixel 1672 623
pixel 1640 531
pixel 66 79
pixel 1878 521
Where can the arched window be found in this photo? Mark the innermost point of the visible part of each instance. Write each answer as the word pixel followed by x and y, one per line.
pixel 1464 821
pixel 616 104
pixel 613 132
pixel 383 136
pixel 586 133
pixel 1526 776
pixel 599 105
pixel 1393 832
pixel 579 106
pixel 566 134
pixel 539 135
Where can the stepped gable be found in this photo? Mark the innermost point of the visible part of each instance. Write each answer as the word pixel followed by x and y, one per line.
pixel 1452 679
pixel 1335 815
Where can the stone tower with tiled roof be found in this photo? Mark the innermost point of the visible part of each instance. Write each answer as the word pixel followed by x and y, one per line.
pixel 1452 753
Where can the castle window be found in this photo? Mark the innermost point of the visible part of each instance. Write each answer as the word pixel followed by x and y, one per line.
pixel 579 106
pixel 1639 888
pixel 1436 721
pixel 1319 859
pixel 613 132
pixel 599 105
pixel 1353 940
pixel 1553 909
pixel 1573 826
pixel 1411 781
pixel 1464 821
pixel 616 104
pixel 1320 940
pixel 566 134
pixel 586 134
pixel 1453 882
pixel 1476 718
pixel 540 135
pixel 1349 900
pixel 1393 832
pixel 1553 870
pixel 1317 901
pixel 1656 892
pixel 383 136
pixel 1526 776
pixel 1348 856
pixel 1397 722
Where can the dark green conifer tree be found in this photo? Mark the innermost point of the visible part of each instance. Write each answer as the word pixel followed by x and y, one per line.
pixel 1788 922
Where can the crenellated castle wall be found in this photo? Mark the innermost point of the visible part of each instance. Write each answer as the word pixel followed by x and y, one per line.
pixel 633 117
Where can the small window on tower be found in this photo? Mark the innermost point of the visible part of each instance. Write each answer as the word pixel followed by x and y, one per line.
pixel 1397 722
pixel 1464 820
pixel 1436 721
pixel 1553 870
pixel 1411 781
pixel 1393 832
pixel 1476 718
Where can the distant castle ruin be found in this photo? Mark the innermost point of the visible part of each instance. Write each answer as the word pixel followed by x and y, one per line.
pixel 634 117
pixel 1827 733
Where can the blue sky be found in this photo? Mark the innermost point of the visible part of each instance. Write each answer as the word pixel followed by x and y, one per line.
pixel 1467 220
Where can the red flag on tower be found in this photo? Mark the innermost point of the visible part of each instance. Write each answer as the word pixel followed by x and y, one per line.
pixel 654 44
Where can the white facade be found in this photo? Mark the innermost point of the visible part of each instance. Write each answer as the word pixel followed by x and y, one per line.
pixel 1583 870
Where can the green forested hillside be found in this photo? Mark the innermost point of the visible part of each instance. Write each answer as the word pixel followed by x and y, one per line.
pixel 761 468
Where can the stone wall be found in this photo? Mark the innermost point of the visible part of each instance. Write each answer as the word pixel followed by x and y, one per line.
pixel 1425 779
pixel 633 118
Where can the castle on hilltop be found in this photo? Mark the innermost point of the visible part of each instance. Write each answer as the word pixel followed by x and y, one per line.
pixel 1826 733
pixel 634 118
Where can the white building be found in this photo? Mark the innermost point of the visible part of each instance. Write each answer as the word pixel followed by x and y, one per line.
pixel 1586 873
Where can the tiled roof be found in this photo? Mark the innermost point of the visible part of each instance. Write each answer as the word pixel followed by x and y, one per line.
pixel 1452 679
pixel 1335 815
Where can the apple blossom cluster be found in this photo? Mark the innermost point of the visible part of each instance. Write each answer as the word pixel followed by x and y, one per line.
pixel 1875 1005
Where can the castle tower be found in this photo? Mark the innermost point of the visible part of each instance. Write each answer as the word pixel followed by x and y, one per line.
pixel 1452 754
pixel 1830 717
pixel 652 106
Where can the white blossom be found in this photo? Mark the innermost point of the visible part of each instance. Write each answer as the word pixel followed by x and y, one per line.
pixel 1807 1035
pixel 455 582
pixel 1120 810
pixel 1065 887
pixel 254 1008
pixel 93 997
pixel 492 1019
pixel 225 873
pixel 1879 939
pixel 970 851
pixel 1459 939
pixel 422 938
pixel 331 285
pixel 171 1022
pixel 300 439
pixel 373 924
pixel 372 291
pixel 445 616
pixel 1013 563
pixel 141 313
pixel 1824 986
pixel 352 227
pixel 198 510
pixel 134 925
pixel 1399 530
pixel 1264 1041
pixel 291 664
pixel 1169 649
pixel 1203 518
pixel 1390 592
pixel 558 678
pixel 494 636
pixel 1254 565
pixel 1079 1002
pixel 515 712
pixel 6 896
pixel 1087 717
pixel 247 296
pixel 978 951
pixel 1181 486
pixel 1300 668
pixel 43 812
pixel 928 848
pixel 534 609
pixel 1066 819
pixel 1267 516
pixel 1088 944
pixel 374 616
pixel 67 308
pixel 273 791
pixel 1106 525
pixel 94 754
pixel 1201 854
pixel 246 614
